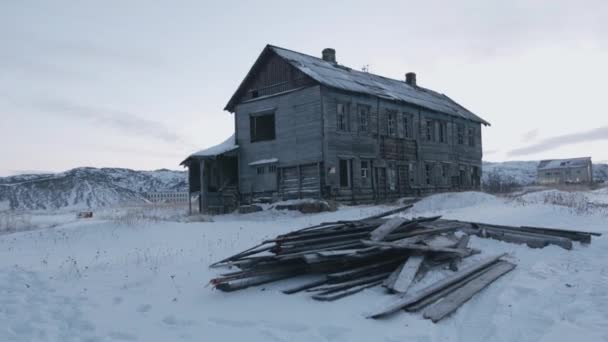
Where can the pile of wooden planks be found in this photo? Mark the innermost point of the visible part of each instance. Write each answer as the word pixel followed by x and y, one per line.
pixel 339 259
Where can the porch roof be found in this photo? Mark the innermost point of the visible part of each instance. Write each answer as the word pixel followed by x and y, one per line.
pixel 226 146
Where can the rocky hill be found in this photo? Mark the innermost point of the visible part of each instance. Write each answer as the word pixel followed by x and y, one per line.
pixel 86 187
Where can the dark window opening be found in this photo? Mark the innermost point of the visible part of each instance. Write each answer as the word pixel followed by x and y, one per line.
pixel 443 132
pixel 460 134
pixel 428 173
pixel 254 93
pixel 342 117
pixel 272 168
pixel 344 173
pixel 262 127
pixel 429 130
pixel 363 118
pixel 407 130
pixel 471 136
pixel 391 122
pixel 261 170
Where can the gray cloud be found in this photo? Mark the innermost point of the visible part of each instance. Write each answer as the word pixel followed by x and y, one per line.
pixel 600 133
pixel 530 135
pixel 121 120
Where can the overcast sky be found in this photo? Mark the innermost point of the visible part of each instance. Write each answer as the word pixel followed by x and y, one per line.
pixel 140 84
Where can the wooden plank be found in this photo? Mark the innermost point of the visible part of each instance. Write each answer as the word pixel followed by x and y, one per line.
pixel 355 272
pixel 388 213
pixel 306 286
pixel 390 281
pixel 388 227
pixel 410 298
pixel 462 243
pixel 454 300
pixel 407 274
pixel 532 240
pixel 347 292
pixel 415 247
pixel 348 284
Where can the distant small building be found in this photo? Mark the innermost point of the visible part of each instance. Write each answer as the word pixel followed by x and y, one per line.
pixel 168 197
pixel 565 171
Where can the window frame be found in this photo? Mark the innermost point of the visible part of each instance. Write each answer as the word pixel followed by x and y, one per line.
pixel 342 124
pixel 253 125
pixel 364 170
pixel 391 123
pixel 363 115
pixel 407 125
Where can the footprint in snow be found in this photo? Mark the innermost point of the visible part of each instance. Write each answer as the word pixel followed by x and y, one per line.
pixel 144 308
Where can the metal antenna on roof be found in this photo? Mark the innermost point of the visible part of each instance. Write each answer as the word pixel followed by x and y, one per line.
pixel 365 68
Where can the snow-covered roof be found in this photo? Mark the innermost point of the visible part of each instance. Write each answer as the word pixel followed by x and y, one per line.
pixel 224 147
pixel 344 78
pixel 264 161
pixel 563 163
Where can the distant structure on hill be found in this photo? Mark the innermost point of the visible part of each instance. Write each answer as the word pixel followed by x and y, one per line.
pixel 565 171
pixel 167 197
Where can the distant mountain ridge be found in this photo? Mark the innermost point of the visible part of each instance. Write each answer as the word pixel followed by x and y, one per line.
pixel 524 172
pixel 86 187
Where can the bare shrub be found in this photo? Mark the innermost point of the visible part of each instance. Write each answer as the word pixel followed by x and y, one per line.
pixel 497 183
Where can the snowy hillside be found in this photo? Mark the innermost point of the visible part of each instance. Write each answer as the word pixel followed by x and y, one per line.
pixel 107 280
pixel 524 172
pixel 86 188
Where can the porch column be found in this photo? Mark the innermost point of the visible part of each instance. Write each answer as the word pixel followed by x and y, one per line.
pixel 202 198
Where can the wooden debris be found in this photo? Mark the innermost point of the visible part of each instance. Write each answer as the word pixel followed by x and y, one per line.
pixel 406 277
pixel 455 299
pixel 345 257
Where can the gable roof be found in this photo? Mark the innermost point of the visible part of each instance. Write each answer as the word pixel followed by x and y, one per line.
pixel 340 77
pixel 552 164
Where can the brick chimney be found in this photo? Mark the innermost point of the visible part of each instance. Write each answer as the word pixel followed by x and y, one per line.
pixel 410 78
pixel 329 55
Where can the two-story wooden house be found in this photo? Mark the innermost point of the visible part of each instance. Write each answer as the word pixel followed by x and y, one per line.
pixel 311 127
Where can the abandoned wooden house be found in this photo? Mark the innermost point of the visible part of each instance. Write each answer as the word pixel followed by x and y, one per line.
pixel 311 127
pixel 565 171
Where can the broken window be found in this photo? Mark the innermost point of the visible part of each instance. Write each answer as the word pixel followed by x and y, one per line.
pixel 391 119
pixel 262 127
pixel 364 169
pixel 342 117
pixel 363 118
pixel 460 128
pixel 407 125
pixel 344 173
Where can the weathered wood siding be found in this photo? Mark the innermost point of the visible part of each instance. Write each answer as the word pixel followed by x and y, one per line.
pixel 402 160
pixel 298 137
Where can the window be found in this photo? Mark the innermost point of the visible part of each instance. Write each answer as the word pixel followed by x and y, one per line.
pixel 391 121
pixel 262 127
pixel 429 130
pixel 272 168
pixel 428 171
pixel 412 173
pixel 344 173
pixel 407 125
pixel 471 136
pixel 342 117
pixel 443 132
pixel 364 169
pixel 445 170
pixel 261 170
pixel 460 134
pixel 363 118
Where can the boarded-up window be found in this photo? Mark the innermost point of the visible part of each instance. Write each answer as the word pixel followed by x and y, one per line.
pixel 262 127
pixel 363 118
pixel 342 117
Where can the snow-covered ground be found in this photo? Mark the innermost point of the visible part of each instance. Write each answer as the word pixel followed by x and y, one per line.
pixel 131 276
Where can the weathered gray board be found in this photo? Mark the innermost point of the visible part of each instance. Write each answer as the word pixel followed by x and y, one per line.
pixel 530 239
pixel 406 277
pixel 407 299
pixel 455 299
pixel 462 243
pixel 389 226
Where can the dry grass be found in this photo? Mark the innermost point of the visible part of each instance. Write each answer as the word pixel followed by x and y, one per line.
pixel 13 221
